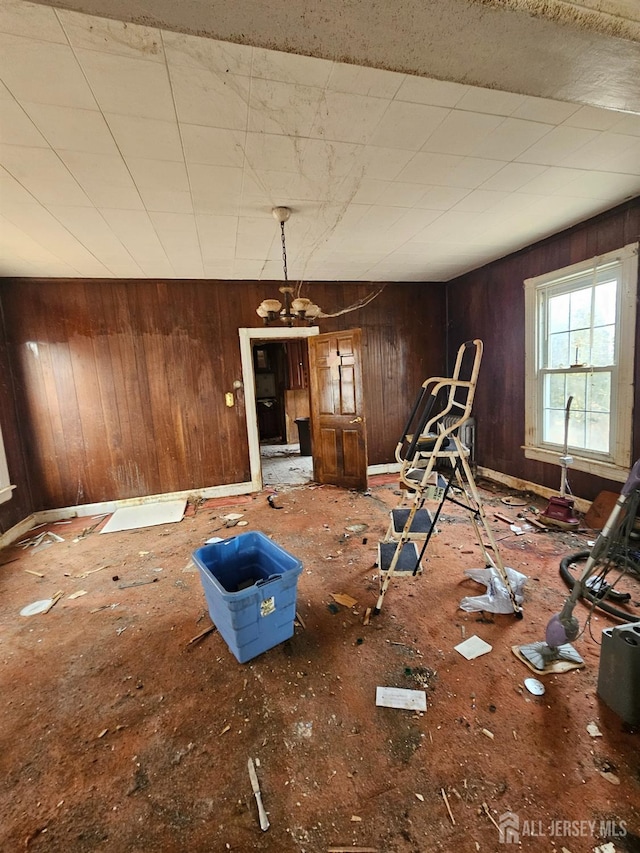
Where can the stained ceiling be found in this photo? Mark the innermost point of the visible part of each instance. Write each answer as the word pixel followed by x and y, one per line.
pixel 134 150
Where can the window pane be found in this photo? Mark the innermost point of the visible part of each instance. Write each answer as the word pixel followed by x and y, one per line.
pixel 604 309
pixel 558 350
pixel 553 428
pixel 599 392
pixel 577 421
pixel 579 347
pixel 598 432
pixel 555 391
pixel 603 352
pixel 577 388
pixel 559 313
pixel 580 313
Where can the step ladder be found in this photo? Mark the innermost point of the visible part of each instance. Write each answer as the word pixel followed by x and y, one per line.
pixel 434 468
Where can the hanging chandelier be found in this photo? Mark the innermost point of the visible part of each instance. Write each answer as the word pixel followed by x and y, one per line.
pixel 295 310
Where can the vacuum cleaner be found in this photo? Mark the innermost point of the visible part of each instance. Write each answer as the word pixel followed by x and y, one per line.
pixel 559 511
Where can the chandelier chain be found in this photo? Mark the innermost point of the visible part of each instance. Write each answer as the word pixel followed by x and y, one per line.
pixel 284 253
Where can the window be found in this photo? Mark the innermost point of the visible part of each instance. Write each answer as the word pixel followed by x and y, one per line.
pixel 580 337
pixel 5 486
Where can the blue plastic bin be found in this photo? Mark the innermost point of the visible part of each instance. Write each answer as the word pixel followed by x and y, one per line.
pixel 250 584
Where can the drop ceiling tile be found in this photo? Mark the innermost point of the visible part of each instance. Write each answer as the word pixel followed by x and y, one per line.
pixel 206 98
pixel 219 270
pixel 629 124
pixel 90 169
pixel 370 190
pixel 401 194
pixel 478 201
pixel 544 110
pixel 335 159
pixel 217 230
pixel 107 197
pixel 427 168
pixel 111 36
pixel 215 189
pixel 603 185
pixel 593 118
pixel 490 101
pixel 441 198
pixel 12 191
pixel 407 125
pixel 364 114
pixel 559 144
pixel 513 176
pixel 43 73
pixel 146 137
pixel 364 81
pixel 603 149
pixel 461 132
pixel 250 270
pixel 436 93
pixel 205 53
pixel 127 86
pixel 158 174
pixel 549 181
pixel 273 152
pixel 383 164
pixel 135 231
pixel 212 146
pixel 72 128
pixel 629 162
pixel 255 238
pixel 451 227
pixel 27 19
pixel 42 173
pixel 16 128
pixel 510 139
pixel 290 68
pixel 166 200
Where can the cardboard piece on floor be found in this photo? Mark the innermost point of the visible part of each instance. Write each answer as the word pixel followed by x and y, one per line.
pixel 473 648
pixel 600 510
pixel 557 666
pixel 145 515
pixel 399 697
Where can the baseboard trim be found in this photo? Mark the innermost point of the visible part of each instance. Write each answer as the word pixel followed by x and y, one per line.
pixel 519 485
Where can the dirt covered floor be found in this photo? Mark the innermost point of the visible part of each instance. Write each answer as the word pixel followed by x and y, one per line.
pixel 119 734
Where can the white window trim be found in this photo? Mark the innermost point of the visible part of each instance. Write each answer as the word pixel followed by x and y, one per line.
pixel 6 489
pixel 622 395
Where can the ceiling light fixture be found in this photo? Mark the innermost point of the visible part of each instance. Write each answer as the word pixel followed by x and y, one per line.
pixel 298 310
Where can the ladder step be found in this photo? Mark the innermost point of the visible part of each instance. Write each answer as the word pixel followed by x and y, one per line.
pixel 406 562
pixel 420 526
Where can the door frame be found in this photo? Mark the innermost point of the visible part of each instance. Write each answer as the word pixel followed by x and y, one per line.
pixel 247 338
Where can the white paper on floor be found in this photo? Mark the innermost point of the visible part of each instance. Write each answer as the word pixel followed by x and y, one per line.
pixel 398 697
pixel 473 648
pixel 145 515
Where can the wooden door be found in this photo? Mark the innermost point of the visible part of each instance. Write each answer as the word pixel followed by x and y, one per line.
pixel 338 427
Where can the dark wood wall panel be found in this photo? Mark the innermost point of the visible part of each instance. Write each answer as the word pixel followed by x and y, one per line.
pixel 119 385
pixel 489 304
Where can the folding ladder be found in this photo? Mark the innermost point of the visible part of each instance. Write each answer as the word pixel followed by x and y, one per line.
pixel 434 467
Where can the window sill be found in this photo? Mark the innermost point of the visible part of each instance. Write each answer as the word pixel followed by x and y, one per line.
pixel 607 470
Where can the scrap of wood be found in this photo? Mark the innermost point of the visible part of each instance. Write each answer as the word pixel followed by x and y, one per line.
pixel 31 572
pixel 56 598
pixel 344 599
pixel 446 802
pixel 504 518
pixel 485 809
pixel 301 621
pixel 367 616
pixel 77 594
pixel 352 850
pixel 537 523
pixel 202 634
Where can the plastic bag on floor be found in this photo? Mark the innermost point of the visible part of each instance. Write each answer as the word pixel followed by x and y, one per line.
pixel 496 599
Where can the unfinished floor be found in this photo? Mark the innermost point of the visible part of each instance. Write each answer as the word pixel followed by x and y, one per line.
pixel 118 734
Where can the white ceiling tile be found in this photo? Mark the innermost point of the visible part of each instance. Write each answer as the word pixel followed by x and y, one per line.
pixel 490 101
pixel 550 180
pixel 217 232
pixel 273 152
pixel 158 174
pixel 176 223
pixel 369 190
pixel 364 113
pixel 604 148
pixel 219 270
pixel 512 176
pixel 12 191
pixel 111 36
pixel 407 125
pixel 128 86
pixel 629 162
pixel 427 168
pixel 89 168
pixel 43 72
pixel 441 198
pixel 401 194
pixel 510 139
pixel 383 164
pixel 629 124
pixel 146 137
pixel 135 231
pixel 207 98
pixel 213 146
pixel 28 19
pixel 603 185
pixel 118 198
pixel 437 93
pixel 16 128
pixel 200 52
pixel 260 270
pixel 593 118
pixel 43 174
pixel 335 159
pixel 478 201
pixel 451 227
pixel 215 189
pixel 256 237
pixel 547 111
pixel 166 200
pixel 290 68
pixel 461 132
pixel 557 145
pixel 72 128
pixel 364 81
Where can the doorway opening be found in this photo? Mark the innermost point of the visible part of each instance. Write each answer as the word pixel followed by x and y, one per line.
pixel 280 451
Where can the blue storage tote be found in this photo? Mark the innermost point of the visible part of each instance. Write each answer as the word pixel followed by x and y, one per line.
pixel 250 586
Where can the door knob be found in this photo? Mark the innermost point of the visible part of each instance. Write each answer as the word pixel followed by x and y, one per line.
pixel 357 420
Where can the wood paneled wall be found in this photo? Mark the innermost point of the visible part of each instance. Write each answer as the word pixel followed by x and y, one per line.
pixel 119 385
pixel 489 304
